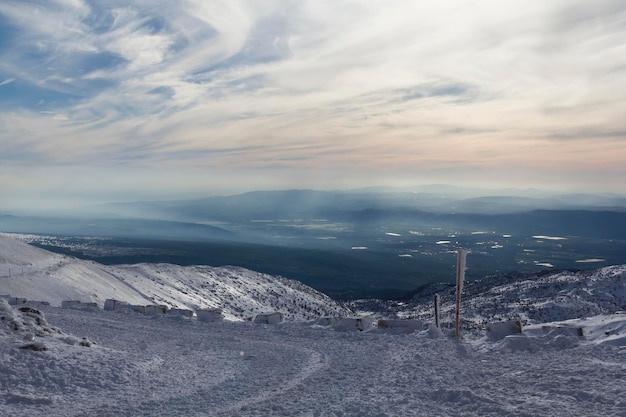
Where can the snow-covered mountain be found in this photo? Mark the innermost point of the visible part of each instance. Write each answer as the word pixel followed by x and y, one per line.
pixel 532 298
pixel 36 274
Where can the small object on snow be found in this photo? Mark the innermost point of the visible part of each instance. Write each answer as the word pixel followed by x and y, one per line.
pixel 403 324
pixel 36 347
pixel 86 342
pixel 499 330
pixel 435 332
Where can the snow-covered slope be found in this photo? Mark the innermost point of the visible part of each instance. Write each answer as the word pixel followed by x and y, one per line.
pixel 239 292
pixel 36 274
pixel 552 297
pixel 40 275
pixel 533 298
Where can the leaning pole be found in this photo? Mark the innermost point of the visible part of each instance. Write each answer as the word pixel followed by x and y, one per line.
pixel 460 276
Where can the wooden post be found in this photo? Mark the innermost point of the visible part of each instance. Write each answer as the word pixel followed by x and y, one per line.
pixel 437 310
pixel 460 276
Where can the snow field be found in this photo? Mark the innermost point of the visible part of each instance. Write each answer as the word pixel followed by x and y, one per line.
pixel 166 367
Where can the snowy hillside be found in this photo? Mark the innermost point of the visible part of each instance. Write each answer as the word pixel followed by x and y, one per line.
pixel 532 298
pixel 36 274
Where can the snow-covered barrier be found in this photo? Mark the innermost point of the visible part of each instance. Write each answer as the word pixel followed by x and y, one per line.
pixel 210 315
pixel 70 303
pixel 562 330
pixel 17 300
pixel 182 312
pixel 137 308
pixel 361 324
pixel 269 318
pixel 155 310
pixel 327 321
pixel 77 304
pixel 502 329
pixel 114 305
pixel 412 325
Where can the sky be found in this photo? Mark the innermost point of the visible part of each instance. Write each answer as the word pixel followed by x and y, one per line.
pixel 129 100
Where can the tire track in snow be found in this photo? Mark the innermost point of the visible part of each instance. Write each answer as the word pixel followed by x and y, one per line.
pixel 315 362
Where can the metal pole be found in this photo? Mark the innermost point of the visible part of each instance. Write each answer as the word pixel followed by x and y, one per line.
pixel 460 275
pixel 437 310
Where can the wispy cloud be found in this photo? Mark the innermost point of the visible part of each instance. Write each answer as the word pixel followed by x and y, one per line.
pixel 277 88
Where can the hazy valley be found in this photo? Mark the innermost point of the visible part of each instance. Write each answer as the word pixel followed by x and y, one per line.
pixel 361 243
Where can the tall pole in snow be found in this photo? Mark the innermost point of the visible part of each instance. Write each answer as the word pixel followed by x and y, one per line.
pixel 437 310
pixel 460 276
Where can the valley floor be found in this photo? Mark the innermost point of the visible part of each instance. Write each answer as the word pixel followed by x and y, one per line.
pixel 159 366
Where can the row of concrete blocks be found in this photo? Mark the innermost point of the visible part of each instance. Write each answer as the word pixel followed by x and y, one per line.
pixel 77 304
pixel 14 300
pixel 207 315
pixel 514 327
pixel 366 323
pixel 494 330
pixel 20 300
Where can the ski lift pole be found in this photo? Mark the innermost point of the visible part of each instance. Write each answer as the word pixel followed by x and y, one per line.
pixel 460 276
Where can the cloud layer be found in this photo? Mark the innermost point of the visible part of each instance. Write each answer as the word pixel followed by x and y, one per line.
pixel 316 93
